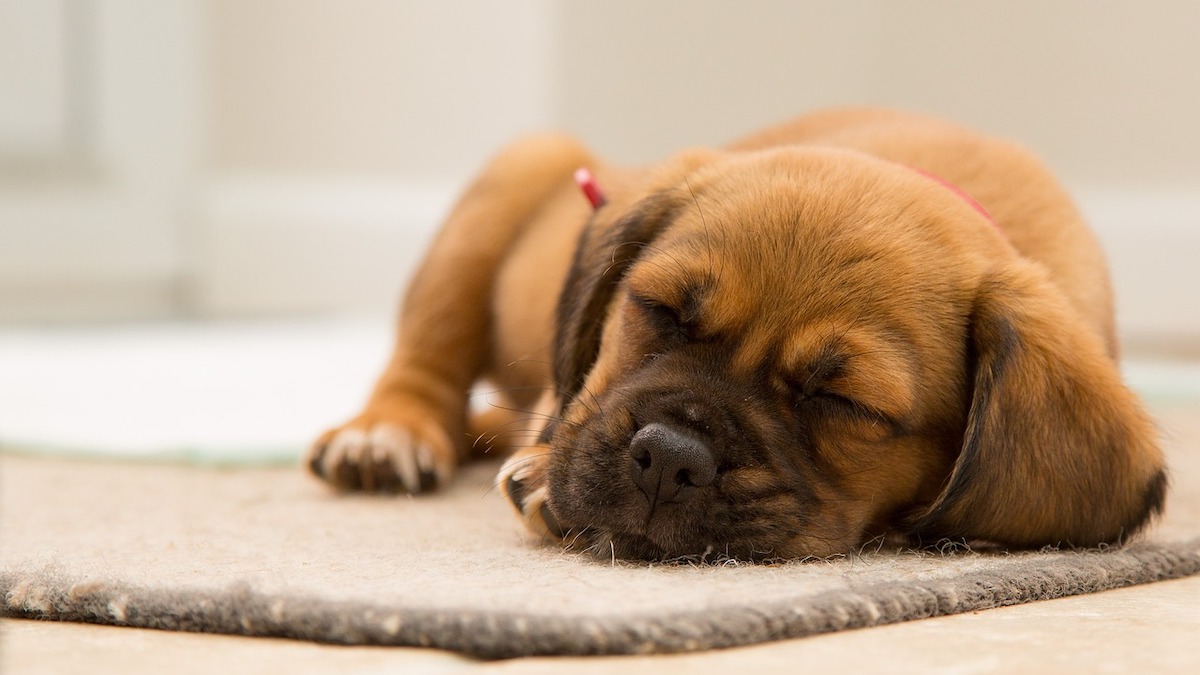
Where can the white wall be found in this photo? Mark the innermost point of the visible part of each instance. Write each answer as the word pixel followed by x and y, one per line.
pixel 340 133
pixel 418 90
pixel 1106 91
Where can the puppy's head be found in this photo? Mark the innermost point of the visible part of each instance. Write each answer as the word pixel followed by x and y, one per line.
pixel 794 351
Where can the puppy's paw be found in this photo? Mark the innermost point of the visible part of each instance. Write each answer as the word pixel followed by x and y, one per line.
pixel 396 450
pixel 523 481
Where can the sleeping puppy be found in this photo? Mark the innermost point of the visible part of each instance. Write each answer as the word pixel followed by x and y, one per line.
pixel 860 323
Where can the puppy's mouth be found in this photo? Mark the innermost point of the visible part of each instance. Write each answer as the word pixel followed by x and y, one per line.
pixel 660 542
pixel 601 543
pixel 666 491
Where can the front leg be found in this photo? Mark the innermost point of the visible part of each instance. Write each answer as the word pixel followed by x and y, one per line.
pixel 412 433
pixel 523 481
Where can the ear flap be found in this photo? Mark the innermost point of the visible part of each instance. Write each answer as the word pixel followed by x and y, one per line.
pixel 605 253
pixel 1056 449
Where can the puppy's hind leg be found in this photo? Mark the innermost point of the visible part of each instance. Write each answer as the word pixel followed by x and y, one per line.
pixel 411 435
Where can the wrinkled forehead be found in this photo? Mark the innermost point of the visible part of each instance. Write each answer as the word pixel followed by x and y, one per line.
pixel 782 255
pixel 770 261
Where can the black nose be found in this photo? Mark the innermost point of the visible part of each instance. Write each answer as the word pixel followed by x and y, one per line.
pixel 668 463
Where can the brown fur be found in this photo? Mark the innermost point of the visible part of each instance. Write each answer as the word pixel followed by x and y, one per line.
pixel 852 347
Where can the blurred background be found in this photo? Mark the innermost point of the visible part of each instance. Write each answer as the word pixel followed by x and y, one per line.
pixel 190 160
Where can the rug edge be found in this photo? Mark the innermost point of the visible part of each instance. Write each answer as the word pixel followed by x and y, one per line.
pixel 238 609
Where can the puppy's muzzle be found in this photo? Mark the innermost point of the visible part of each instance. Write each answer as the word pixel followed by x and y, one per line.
pixel 669 465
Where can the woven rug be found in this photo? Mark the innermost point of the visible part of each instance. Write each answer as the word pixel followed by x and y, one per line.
pixel 269 552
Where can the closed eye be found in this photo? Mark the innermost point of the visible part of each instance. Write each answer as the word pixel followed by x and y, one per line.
pixel 836 403
pixel 666 319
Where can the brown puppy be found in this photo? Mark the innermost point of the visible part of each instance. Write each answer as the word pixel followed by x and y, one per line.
pixel 782 349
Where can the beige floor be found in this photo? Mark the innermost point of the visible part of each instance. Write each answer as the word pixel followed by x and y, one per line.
pixel 1145 629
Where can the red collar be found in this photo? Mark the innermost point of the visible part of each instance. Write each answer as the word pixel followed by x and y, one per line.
pixel 590 188
pixel 962 194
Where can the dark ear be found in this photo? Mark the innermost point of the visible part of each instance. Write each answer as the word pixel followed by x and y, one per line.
pixel 1056 449
pixel 605 252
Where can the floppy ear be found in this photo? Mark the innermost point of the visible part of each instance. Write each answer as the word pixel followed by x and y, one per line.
pixel 1056 449
pixel 605 253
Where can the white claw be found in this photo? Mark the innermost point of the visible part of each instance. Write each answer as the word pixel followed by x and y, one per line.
pixel 518 468
pixel 346 445
pixel 397 445
pixel 425 460
pixel 534 500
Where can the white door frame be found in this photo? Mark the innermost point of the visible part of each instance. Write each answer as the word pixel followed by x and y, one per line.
pixel 98 229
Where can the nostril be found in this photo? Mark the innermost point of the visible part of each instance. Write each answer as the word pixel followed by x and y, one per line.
pixel 641 455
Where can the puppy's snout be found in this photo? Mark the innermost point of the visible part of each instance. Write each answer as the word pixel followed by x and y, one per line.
pixel 668 463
